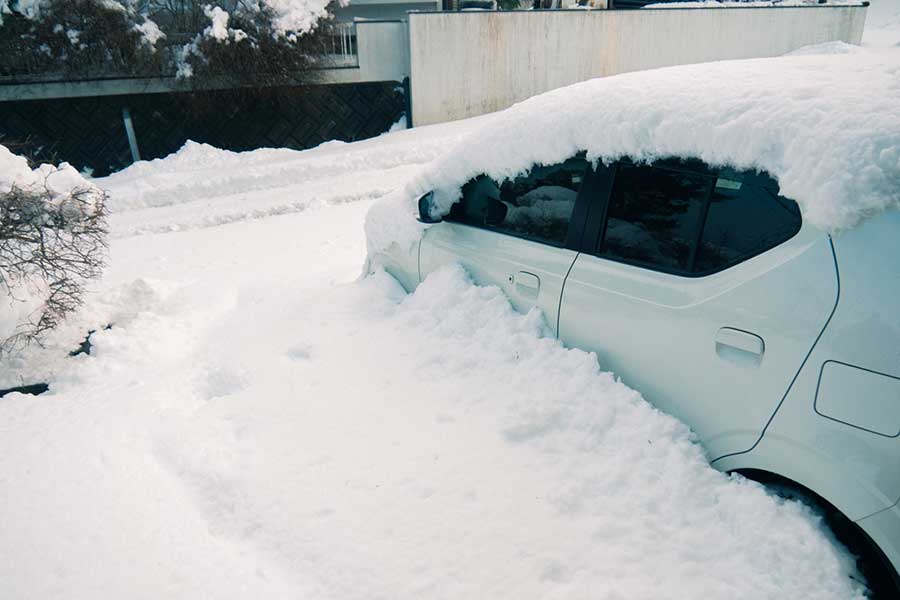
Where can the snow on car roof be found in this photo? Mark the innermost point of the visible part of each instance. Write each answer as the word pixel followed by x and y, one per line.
pixel 825 122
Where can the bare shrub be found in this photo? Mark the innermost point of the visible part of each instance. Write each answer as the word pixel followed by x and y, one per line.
pixel 51 245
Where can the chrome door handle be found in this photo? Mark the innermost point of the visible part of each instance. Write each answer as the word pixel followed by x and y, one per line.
pixel 739 346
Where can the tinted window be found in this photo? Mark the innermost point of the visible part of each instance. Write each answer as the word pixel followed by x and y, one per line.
pixel 654 216
pixel 686 218
pixel 536 206
pixel 746 217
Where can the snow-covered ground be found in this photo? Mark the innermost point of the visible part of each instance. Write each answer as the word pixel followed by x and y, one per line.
pixel 261 422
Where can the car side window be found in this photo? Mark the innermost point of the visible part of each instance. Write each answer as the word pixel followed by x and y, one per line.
pixel 686 218
pixel 654 216
pixel 536 206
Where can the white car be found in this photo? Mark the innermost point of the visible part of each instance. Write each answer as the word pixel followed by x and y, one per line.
pixel 643 233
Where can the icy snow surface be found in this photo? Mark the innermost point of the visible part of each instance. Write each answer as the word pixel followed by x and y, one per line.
pixel 825 124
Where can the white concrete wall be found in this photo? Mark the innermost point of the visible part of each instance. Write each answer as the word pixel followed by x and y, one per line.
pixel 383 54
pixel 470 63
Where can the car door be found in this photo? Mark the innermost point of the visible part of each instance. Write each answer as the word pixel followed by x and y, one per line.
pixel 518 234
pixel 702 289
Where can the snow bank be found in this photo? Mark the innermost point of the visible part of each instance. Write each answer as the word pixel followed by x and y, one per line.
pixel 59 181
pixel 202 186
pixel 826 126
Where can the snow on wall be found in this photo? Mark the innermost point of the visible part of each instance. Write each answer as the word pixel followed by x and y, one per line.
pixel 825 125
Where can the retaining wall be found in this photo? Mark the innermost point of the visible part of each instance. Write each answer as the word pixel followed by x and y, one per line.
pixel 464 64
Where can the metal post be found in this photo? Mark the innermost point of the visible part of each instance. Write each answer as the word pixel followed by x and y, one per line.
pixel 129 131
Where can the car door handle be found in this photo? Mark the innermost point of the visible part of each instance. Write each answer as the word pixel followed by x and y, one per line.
pixel 739 346
pixel 526 284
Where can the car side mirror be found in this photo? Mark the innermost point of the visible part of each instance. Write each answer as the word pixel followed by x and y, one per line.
pixel 426 208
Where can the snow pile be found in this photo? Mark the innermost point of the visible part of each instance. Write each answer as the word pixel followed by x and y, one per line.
pixel 826 126
pixel 256 424
pixel 203 186
pixel 58 181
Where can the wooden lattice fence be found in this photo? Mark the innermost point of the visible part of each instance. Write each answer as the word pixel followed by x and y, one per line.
pixel 90 133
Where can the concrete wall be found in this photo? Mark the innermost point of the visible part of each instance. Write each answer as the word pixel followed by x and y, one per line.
pixel 383 54
pixel 471 63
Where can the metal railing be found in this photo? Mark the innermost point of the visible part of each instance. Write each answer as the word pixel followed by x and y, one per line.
pixel 341 46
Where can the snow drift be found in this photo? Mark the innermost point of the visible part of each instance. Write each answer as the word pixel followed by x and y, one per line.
pixel 825 125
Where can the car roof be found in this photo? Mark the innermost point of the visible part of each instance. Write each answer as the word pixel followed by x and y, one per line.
pixel 824 122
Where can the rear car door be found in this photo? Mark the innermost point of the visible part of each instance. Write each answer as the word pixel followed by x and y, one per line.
pixel 702 289
pixel 518 234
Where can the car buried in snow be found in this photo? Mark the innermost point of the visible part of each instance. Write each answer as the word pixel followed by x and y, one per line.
pixel 704 284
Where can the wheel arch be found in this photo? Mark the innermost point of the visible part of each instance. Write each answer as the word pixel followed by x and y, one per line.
pixel 881 574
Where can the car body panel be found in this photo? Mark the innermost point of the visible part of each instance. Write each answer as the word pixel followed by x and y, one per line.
pixel 884 529
pixel 401 263
pixel 718 352
pixel 513 264
pixel 860 469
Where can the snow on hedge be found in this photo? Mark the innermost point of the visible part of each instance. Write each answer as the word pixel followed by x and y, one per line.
pixel 827 126
pixel 290 18
pixel 35 10
pixel 296 17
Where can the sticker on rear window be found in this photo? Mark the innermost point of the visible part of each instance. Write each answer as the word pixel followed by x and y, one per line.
pixel 728 184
